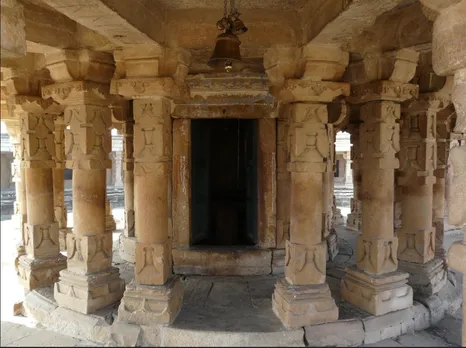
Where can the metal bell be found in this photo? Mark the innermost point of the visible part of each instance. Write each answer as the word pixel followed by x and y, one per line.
pixel 226 53
pixel 238 27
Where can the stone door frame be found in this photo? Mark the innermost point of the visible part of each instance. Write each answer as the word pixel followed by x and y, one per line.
pixel 232 261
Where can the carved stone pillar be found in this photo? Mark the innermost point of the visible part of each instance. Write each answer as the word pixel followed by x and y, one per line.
pixel 354 220
pixel 418 159
pixel 89 282
pixel 59 182
pixel 43 262
pixel 303 298
pixel 128 239
pixel 19 217
pixel 155 295
pixel 283 179
pixel 332 238
pixel 449 58
pixel 446 119
pixel 375 285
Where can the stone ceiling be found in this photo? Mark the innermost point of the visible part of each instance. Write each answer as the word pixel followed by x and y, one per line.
pixel 294 5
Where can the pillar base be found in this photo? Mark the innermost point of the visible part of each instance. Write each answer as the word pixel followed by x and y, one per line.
pixel 110 224
pixel 20 251
pixel 377 294
pixel 151 304
pixel 426 279
pixel 354 222
pixel 303 305
pixel 90 292
pixel 332 243
pixel 62 233
pixel 338 219
pixel 38 273
pixel 128 248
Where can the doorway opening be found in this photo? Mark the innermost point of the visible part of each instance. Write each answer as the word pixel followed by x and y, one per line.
pixel 224 182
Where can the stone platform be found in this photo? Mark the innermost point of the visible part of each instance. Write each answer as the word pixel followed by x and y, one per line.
pixel 236 311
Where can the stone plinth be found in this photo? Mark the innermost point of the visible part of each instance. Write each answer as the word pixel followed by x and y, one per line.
pixel 128 248
pixel 426 279
pixel 86 293
pixel 151 304
pixel 37 273
pixel 303 305
pixel 377 294
pixel 332 244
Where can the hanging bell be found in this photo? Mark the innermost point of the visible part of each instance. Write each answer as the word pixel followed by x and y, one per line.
pixel 226 53
pixel 238 27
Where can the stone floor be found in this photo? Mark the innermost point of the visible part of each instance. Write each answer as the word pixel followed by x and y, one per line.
pixel 221 307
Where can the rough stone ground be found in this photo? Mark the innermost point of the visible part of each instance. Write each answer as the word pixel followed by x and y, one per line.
pixel 225 304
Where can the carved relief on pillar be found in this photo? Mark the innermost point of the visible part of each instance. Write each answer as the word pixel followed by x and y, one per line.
pixel 41 241
pixel 354 219
pixel 377 256
pixel 152 135
pixel 305 264
pixel 153 263
pixel 309 135
pixel 89 254
pixel 379 135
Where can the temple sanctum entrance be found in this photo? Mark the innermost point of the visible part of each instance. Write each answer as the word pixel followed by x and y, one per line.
pixel 224 182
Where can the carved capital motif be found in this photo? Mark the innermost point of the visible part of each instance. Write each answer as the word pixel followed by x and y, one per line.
pixel 152 135
pixel 89 140
pixel 377 256
pixel 379 134
pixel 153 263
pixel 89 254
pixel 305 264
pixel 147 87
pixel 383 90
pixel 77 92
pixel 309 135
pixel 41 241
pixel 312 91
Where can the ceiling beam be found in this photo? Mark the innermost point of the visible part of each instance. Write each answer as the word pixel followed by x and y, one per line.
pixel 122 22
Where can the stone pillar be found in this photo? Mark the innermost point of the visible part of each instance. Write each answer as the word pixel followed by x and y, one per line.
pixel 283 179
pixel 416 178
pixel 354 220
pixel 449 58
pixel 128 238
pixel 374 284
pixel 110 224
pixel 302 297
pixel 118 169
pixel 155 295
pixel 43 262
pixel 61 214
pixel 446 119
pixel 19 217
pixel 332 238
pixel 89 282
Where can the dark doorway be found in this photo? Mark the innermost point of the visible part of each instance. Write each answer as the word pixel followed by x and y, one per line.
pixel 224 182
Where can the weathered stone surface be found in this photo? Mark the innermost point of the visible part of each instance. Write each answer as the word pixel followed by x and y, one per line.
pixel 211 262
pixel 38 306
pixel 13 30
pixel 342 333
pixel 88 293
pixel 172 337
pixel 148 305
pixel 425 279
pixel 128 248
pixel 37 273
pixel 303 305
pixel 278 261
pixel 386 326
pixel 376 295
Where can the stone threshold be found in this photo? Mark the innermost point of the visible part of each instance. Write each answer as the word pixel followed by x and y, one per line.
pixel 355 328
pixel 222 261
